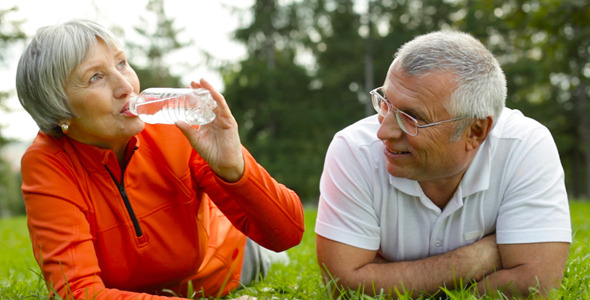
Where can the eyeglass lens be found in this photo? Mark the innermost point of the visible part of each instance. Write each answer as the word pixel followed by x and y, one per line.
pixel 404 121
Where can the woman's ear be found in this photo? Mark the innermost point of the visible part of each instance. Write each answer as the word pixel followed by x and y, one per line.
pixel 65 126
pixel 477 132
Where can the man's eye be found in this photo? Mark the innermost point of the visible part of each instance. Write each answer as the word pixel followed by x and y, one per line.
pixel 413 116
pixel 123 63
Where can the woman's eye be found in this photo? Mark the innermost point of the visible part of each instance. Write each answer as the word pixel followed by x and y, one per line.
pixel 123 63
pixel 95 78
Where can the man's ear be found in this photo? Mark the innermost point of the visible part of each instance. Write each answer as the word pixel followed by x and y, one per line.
pixel 477 132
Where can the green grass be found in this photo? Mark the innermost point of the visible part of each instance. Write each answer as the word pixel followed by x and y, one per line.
pixel 19 274
pixel 20 279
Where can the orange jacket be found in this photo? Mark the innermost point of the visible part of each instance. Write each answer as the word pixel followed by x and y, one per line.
pixel 100 232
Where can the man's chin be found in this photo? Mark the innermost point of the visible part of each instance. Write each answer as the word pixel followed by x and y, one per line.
pixel 397 171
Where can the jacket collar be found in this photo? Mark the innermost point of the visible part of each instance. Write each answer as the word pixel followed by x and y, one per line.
pixel 95 159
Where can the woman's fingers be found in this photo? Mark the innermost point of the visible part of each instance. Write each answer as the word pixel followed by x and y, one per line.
pixel 195 85
pixel 188 130
pixel 215 94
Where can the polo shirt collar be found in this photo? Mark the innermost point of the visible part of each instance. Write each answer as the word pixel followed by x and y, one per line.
pixel 406 186
pixel 477 177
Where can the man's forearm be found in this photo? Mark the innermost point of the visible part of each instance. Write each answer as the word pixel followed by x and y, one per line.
pixel 469 263
pixel 503 281
pixel 515 283
pixel 541 269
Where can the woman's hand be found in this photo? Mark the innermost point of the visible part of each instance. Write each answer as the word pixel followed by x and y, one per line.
pixel 217 142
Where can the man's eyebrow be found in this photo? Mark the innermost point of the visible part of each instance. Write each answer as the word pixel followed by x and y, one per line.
pixel 412 111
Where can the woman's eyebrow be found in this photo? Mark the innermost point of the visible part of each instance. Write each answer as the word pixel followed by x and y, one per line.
pixel 88 68
pixel 120 52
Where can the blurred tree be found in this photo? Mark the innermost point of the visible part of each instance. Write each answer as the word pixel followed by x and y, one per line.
pixel 289 112
pixel 156 46
pixel 339 50
pixel 543 46
pixel 562 51
pixel 348 46
pixel 11 202
pixel 269 96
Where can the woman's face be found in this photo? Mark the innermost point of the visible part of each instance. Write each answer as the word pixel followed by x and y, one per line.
pixel 98 90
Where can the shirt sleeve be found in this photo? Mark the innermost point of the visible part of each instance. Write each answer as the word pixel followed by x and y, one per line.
pixel 265 210
pixel 345 210
pixel 535 207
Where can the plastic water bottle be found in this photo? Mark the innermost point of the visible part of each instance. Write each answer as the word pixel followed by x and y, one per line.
pixel 167 105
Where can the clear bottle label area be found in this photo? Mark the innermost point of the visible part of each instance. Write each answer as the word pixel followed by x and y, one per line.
pixel 167 105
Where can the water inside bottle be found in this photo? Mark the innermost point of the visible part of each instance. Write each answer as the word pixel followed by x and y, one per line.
pixel 191 108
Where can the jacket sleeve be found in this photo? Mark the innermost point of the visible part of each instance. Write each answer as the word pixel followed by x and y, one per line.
pixel 266 211
pixel 60 233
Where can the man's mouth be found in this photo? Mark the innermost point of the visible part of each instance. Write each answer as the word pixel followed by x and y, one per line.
pixel 395 152
pixel 398 152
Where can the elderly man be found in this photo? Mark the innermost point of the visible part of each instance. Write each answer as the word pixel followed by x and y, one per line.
pixel 444 185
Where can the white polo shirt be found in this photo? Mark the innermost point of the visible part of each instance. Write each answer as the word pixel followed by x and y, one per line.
pixel 514 187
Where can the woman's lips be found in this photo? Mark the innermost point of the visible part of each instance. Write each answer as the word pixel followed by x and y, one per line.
pixel 126 111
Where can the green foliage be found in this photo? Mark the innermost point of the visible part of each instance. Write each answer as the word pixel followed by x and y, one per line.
pixel 161 42
pixel 12 203
pixel 10 32
pixel 350 51
pixel 270 96
pixel 269 110
pixel 10 197
pixel 547 44
pixel 542 45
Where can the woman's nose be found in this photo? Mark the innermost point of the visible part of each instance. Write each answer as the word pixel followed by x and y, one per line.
pixel 122 86
pixel 389 128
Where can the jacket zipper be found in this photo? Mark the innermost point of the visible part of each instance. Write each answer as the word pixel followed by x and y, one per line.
pixel 121 187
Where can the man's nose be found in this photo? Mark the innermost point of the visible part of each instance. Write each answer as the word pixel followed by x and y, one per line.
pixel 389 128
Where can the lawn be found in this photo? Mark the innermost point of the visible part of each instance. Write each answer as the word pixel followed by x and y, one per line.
pixel 20 279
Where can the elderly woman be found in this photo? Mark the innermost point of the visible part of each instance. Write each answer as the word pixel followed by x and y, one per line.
pixel 119 209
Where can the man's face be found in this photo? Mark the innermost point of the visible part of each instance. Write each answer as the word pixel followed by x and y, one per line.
pixel 433 154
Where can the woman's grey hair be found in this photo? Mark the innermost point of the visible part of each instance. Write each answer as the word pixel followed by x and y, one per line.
pixel 45 67
pixel 481 84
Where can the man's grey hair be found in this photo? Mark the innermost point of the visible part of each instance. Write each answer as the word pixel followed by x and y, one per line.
pixel 45 67
pixel 481 84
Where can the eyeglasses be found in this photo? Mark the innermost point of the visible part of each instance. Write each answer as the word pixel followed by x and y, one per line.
pixel 406 122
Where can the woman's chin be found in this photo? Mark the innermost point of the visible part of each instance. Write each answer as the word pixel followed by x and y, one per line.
pixel 134 126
